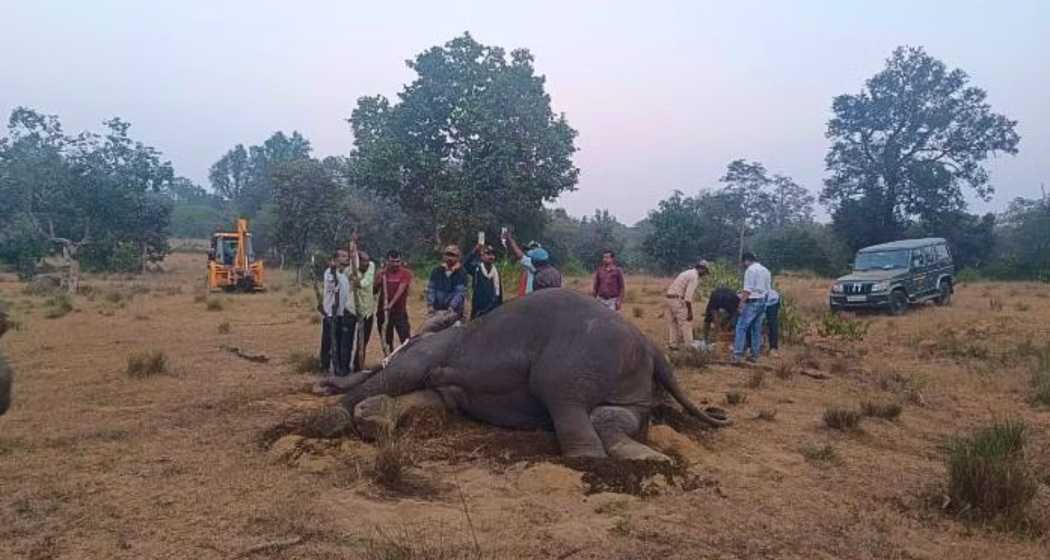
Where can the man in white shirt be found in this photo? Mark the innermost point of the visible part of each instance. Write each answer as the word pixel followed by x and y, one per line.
pixel 335 350
pixel 757 285
pixel 680 304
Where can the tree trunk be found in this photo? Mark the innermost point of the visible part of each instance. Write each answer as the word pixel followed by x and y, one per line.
pixel 143 252
pixel 71 259
pixel 743 228
pixel 299 275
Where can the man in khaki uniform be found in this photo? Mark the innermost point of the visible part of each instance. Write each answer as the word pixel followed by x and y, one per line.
pixel 680 304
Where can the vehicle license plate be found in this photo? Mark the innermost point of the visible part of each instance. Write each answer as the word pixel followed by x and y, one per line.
pixel 856 299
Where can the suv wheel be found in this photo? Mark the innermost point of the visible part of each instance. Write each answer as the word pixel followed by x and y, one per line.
pixel 945 296
pixel 898 302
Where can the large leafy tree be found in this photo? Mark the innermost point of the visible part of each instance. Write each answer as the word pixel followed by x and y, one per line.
pixel 676 233
pixel 471 144
pixel 86 190
pixel 244 176
pixel 909 145
pixel 599 233
pixel 309 210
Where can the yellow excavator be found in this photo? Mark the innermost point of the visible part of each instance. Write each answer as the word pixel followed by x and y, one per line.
pixel 232 265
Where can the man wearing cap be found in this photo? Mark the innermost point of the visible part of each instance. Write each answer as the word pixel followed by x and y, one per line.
pixel 447 286
pixel 757 285
pixel 487 287
pixel 680 304
pixel 538 272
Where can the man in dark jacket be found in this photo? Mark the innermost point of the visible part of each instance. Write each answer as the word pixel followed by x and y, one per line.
pixel 487 287
pixel 721 299
pixel 446 290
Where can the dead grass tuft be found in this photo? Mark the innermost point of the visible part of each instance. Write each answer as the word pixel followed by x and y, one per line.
pixel 757 379
pixel 785 370
pixel 304 362
pixel 1041 377
pixel 213 304
pixel 638 312
pixel 768 414
pixel 689 357
pixel 147 364
pixel 886 411
pixel 736 397
pixel 819 453
pixel 224 327
pixel 995 304
pixel 843 419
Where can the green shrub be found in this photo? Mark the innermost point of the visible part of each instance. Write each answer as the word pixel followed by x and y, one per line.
pixel 58 306
pixel 835 325
pixel 988 475
pixel 793 324
pixel 146 364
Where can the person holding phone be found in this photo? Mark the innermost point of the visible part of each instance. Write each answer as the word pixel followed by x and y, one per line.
pixel 487 286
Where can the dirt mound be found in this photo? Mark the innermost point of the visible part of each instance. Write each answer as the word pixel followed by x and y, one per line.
pixel 638 478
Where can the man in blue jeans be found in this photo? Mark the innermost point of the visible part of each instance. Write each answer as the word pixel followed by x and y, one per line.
pixel 757 284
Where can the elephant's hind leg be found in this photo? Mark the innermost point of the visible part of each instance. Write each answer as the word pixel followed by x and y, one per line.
pixel 381 414
pixel 615 426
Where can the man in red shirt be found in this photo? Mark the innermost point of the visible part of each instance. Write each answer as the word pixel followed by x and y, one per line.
pixel 609 286
pixel 393 312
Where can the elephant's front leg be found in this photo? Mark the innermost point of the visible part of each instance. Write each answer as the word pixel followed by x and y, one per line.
pixel 381 414
pixel 617 427
pixel 576 435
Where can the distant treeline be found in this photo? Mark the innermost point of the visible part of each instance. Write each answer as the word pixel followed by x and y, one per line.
pixel 473 144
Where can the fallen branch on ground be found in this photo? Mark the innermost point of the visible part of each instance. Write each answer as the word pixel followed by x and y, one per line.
pixel 257 358
pixel 272 546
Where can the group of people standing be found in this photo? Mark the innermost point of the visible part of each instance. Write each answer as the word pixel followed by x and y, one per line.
pixel 755 305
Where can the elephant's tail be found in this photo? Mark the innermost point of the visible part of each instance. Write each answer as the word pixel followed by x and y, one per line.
pixel 665 376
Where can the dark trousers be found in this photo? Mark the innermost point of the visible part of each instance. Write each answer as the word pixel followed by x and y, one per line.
pixel 335 345
pixel 396 320
pixel 772 326
pixel 364 334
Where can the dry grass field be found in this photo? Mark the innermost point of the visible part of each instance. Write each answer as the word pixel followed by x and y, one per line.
pixel 181 453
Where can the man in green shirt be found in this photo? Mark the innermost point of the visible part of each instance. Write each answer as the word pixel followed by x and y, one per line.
pixel 364 306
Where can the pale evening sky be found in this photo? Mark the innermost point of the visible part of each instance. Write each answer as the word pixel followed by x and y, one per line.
pixel 663 94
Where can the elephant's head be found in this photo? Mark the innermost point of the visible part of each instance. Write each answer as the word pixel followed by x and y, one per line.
pixel 404 372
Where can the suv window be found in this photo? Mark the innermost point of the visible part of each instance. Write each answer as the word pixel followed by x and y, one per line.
pixel 918 258
pixel 931 254
pixel 942 253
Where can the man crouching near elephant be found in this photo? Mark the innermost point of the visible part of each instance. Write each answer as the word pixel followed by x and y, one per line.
pixel 446 293
pixel 5 372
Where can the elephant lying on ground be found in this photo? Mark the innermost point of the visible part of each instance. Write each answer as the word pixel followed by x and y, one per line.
pixel 552 359
pixel 5 371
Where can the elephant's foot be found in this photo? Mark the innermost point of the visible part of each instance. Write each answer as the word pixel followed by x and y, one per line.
pixel 628 449
pixel 615 426
pixel 380 415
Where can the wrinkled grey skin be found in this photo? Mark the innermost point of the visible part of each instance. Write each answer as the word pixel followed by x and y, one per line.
pixel 552 359
pixel 5 371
